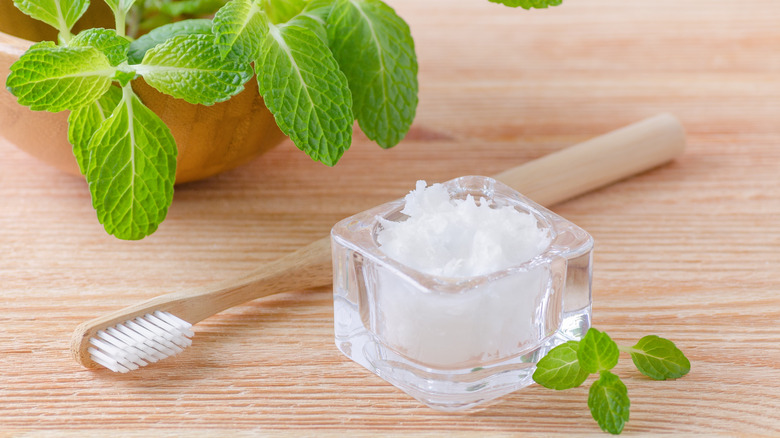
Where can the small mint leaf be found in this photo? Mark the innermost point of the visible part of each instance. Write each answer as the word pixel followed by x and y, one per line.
pixel 124 77
pixel 190 67
pixel 139 47
pixel 659 358
pixel 83 122
pixel 60 14
pixel 132 168
pixel 559 369
pixel 608 402
pixel 375 49
pixel 528 4
pixel 59 78
pixel 239 27
pixel 303 87
pixel 597 352
pixel 106 40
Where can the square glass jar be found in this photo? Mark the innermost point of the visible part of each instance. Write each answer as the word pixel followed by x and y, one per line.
pixel 454 343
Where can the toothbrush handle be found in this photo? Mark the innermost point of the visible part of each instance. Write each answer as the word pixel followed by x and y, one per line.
pixel 305 268
pixel 598 162
pixel 547 180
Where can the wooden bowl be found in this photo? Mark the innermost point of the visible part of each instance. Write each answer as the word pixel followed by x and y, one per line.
pixel 211 139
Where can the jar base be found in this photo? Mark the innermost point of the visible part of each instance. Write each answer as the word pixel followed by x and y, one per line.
pixel 448 390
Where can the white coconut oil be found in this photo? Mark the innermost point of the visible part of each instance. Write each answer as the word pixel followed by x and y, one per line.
pixel 456 240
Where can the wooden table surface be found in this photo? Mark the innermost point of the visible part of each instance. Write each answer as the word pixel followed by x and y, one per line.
pixel 689 251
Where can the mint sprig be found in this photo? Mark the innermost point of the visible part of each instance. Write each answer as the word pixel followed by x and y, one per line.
pixel 568 366
pixel 320 65
pixel 529 4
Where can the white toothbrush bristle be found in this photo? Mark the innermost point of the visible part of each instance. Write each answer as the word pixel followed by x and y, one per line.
pixel 141 341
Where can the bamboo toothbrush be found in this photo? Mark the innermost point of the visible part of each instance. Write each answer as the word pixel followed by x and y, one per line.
pixel 155 329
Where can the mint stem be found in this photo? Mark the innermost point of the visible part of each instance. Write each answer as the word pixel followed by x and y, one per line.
pixel 65 36
pixel 119 20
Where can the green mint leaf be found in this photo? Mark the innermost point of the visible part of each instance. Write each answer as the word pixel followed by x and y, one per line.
pixel 83 122
pixel 608 402
pixel 139 47
pixel 282 11
pixel 319 10
pixel 60 14
pixel 148 24
pixel 124 77
pixel 528 4
pixel 191 7
pixel 106 40
pixel 53 79
pixel 598 352
pixel 374 48
pixel 190 67
pixel 239 27
pixel 315 17
pixel 559 369
pixel 315 25
pixel 659 358
pixel 132 167
pixel 305 90
pixel 43 45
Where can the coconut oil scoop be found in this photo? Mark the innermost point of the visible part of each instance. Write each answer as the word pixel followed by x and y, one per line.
pixel 460 237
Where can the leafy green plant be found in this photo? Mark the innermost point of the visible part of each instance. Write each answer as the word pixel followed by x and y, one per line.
pixel 319 64
pixel 569 365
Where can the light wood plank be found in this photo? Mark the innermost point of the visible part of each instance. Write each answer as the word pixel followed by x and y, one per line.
pixel 690 251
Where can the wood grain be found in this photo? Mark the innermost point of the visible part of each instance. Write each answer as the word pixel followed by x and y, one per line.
pixel 690 251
